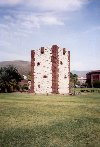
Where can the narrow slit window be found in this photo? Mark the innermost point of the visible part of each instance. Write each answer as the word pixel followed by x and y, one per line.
pixel 42 50
pixel 39 86
pixel 64 51
pixel 61 63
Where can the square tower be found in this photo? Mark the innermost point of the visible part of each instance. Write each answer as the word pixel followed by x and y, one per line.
pixel 50 70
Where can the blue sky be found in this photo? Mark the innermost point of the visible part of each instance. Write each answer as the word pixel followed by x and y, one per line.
pixel 30 24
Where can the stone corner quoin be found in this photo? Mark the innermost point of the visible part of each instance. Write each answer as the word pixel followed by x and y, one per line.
pixel 50 70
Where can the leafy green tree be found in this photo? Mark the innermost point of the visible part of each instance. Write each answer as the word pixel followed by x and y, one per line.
pixel 9 79
pixel 73 78
pixel 73 82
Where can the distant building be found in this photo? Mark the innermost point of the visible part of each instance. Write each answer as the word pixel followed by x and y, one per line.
pixel 82 80
pixel 24 77
pixel 92 77
pixel 50 70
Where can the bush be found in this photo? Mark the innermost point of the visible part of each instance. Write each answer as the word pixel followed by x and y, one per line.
pixel 9 79
pixel 96 84
pixel 25 87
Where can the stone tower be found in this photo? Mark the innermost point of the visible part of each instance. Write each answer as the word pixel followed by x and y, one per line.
pixel 50 70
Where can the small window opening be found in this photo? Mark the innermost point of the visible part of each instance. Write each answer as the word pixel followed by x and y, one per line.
pixel 44 76
pixel 61 63
pixel 65 76
pixel 39 86
pixel 64 51
pixel 38 63
pixel 42 50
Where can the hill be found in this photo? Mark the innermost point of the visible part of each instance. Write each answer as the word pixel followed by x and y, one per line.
pixel 80 73
pixel 22 66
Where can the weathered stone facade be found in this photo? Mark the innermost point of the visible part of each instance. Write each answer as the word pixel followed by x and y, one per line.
pixel 50 70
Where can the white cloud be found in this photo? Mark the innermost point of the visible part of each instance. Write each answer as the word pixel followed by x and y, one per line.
pixel 23 23
pixel 10 2
pixel 28 22
pixel 48 5
pixel 59 5
pixel 51 20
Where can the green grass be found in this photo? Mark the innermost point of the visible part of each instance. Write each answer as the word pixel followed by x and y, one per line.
pixel 49 121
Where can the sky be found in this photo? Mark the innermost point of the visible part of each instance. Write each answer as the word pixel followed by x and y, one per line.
pixel 70 24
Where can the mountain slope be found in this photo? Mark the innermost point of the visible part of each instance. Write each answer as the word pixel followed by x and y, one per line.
pixel 22 66
pixel 80 73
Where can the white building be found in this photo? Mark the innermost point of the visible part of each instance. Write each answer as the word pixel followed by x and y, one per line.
pixel 82 80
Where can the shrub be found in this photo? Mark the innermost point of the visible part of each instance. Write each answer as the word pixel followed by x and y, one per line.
pixel 96 84
pixel 25 87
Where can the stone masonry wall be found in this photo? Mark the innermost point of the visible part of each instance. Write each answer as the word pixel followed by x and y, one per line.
pixel 50 70
pixel 43 71
pixel 64 71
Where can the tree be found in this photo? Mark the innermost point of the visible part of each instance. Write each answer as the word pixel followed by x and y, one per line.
pixel 9 79
pixel 96 84
pixel 73 78
pixel 73 81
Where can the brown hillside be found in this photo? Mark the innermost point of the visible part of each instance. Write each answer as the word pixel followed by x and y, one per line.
pixel 22 66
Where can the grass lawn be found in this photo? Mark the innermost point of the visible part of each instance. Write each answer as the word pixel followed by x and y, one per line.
pixel 49 121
